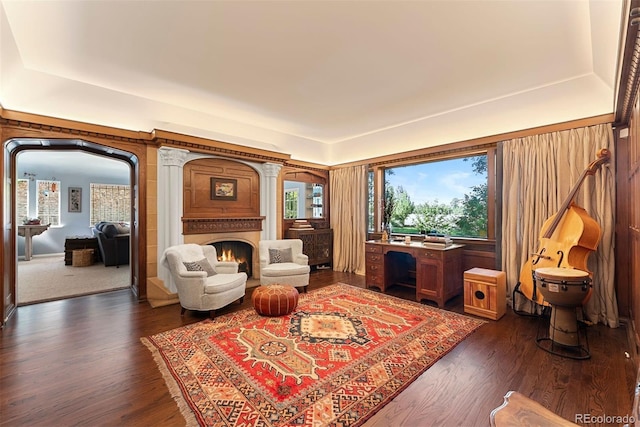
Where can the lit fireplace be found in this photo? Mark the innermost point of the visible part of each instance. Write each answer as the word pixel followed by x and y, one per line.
pixel 239 252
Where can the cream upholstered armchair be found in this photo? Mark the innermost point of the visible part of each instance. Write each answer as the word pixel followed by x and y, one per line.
pixel 282 262
pixel 203 282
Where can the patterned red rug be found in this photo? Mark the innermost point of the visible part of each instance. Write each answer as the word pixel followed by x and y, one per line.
pixel 342 355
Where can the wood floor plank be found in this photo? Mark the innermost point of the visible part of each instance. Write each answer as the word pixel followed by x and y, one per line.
pixel 80 362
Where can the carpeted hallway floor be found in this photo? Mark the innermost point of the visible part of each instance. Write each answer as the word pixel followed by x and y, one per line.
pixel 46 278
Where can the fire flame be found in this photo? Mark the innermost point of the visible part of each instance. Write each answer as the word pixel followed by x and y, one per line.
pixel 228 255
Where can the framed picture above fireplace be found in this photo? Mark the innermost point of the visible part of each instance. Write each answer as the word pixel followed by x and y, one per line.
pixel 224 189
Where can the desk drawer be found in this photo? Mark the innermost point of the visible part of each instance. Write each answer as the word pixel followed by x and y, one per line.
pixel 375 281
pixel 431 254
pixel 374 269
pixel 373 258
pixel 373 248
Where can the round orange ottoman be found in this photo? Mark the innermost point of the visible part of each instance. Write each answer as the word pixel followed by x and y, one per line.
pixel 275 300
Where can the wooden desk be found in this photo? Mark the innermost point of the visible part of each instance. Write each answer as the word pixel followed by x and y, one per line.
pixel 434 271
pixel 28 231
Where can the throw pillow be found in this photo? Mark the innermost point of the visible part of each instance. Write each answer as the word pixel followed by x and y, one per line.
pixel 277 256
pixel 200 265
pixel 110 230
pixel 122 227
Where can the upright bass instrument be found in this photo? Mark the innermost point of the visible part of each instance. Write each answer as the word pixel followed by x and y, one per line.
pixel 568 237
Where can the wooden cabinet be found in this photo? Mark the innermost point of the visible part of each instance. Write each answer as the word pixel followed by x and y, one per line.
pixel 436 273
pixel 374 264
pixel 80 242
pixel 316 244
pixel 485 293
pixel 440 273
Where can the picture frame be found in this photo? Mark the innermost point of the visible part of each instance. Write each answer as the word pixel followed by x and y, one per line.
pixel 75 199
pixel 224 189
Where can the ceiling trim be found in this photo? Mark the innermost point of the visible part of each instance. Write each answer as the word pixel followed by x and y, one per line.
pixel 69 129
pixel 477 144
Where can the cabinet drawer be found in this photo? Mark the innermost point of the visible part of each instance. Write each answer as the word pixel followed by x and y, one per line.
pixel 373 258
pixel 374 269
pixel 431 254
pixel 373 249
pixel 375 280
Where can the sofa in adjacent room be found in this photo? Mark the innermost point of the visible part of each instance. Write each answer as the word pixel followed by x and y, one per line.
pixel 113 241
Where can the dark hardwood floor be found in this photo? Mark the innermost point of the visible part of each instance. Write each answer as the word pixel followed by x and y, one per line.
pixel 80 362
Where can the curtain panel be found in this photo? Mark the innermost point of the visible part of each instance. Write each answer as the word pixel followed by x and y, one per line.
pixel 539 173
pixel 348 218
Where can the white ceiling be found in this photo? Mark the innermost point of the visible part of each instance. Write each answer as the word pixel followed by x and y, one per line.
pixel 64 162
pixel 325 81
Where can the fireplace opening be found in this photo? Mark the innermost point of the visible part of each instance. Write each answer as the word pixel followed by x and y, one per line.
pixel 233 250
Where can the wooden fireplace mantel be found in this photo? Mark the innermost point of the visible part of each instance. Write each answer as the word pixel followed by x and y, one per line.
pixel 221 225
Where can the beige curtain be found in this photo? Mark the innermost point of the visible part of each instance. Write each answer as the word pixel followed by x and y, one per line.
pixel 539 172
pixel 348 217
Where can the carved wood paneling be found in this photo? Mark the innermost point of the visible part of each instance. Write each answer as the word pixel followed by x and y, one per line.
pixel 220 225
pixel 198 202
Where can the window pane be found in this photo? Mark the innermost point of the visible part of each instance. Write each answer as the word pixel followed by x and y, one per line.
pixel 48 202
pixel 22 200
pixel 110 203
pixel 370 207
pixel 444 197
pixel 291 203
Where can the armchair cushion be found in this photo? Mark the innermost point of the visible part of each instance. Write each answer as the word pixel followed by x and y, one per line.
pixel 277 256
pixel 224 282
pixel 284 269
pixel 200 265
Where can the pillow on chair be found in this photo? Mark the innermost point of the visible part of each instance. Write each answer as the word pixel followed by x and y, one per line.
pixel 201 265
pixel 122 228
pixel 277 256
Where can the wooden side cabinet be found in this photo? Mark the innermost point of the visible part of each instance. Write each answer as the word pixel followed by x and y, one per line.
pixel 316 244
pixel 485 293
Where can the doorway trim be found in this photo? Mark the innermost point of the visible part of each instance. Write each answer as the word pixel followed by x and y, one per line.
pixel 16 145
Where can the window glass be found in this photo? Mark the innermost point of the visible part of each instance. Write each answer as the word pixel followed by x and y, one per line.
pixel 446 197
pixel 48 201
pixel 110 203
pixel 22 200
pixel 291 203
pixel 370 204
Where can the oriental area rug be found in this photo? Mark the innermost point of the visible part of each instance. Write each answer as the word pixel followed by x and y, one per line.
pixel 343 354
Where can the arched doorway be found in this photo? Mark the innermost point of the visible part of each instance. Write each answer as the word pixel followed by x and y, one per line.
pixel 17 145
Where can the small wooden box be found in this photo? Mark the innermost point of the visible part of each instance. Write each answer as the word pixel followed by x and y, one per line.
pixel 485 293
